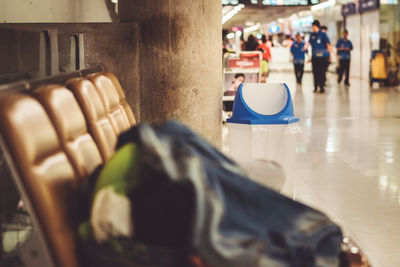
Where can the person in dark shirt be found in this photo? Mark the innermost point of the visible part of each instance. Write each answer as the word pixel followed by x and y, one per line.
pixel 251 43
pixel 320 44
pixel 297 50
pixel 343 47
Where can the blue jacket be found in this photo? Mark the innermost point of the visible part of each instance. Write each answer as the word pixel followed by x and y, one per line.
pixel 298 52
pixel 344 54
pixel 228 212
pixel 318 42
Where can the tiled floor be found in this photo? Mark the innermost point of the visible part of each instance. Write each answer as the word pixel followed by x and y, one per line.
pixel 347 161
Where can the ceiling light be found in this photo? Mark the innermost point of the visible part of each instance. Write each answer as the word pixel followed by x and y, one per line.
pixel 232 13
pixel 252 28
pixel 324 5
pixel 230 35
pixel 249 23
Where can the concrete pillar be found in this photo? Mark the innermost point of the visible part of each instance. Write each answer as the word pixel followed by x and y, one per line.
pixel 180 62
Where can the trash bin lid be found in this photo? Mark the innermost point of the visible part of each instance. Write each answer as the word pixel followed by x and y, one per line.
pixel 263 103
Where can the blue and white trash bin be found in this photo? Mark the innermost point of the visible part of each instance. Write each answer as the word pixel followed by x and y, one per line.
pixel 263 125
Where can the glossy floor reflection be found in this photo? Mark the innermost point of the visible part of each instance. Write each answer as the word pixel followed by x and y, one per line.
pixel 348 161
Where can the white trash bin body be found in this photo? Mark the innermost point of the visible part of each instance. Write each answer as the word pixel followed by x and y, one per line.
pixel 275 142
pixel 263 125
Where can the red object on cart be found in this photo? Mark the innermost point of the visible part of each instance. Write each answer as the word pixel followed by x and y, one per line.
pixel 246 61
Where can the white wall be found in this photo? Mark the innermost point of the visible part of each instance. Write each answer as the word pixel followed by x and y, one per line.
pixel 47 11
pixel 362 29
pixel 353 25
pixel 369 28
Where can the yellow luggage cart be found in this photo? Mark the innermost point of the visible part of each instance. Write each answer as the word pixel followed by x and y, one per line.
pixel 378 68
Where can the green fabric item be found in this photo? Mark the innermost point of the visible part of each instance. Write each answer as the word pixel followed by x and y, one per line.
pixel 85 231
pixel 121 172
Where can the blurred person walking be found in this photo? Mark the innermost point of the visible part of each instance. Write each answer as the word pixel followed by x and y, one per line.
pixel 242 43
pixel 343 47
pixel 298 53
pixel 327 56
pixel 269 41
pixel 288 42
pixel 251 43
pixel 320 43
pixel 266 58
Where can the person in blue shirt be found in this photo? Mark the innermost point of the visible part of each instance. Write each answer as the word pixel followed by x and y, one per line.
pixel 320 44
pixel 297 50
pixel 343 47
pixel 327 54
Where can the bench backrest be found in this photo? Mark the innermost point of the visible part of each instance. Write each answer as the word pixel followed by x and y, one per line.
pixel 97 120
pixel 110 98
pixel 70 125
pixel 52 137
pixel 43 172
pixel 121 97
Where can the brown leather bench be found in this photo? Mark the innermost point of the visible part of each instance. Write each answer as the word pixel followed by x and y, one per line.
pixel 96 117
pixel 43 173
pixel 53 133
pixel 70 125
pixel 111 100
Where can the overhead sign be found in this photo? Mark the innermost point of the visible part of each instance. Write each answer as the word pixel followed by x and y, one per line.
pixel 285 2
pixel 230 2
pixel 249 2
pixel 236 2
pixel 349 9
pixel 263 3
pixel 366 5
pixel 302 24
pixel 389 2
